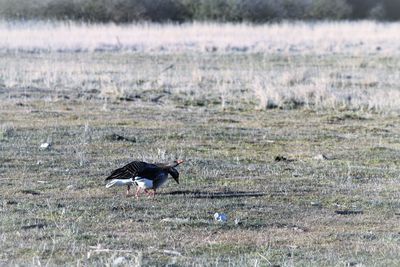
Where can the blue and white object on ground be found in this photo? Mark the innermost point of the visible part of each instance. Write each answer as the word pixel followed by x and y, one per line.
pixel 220 217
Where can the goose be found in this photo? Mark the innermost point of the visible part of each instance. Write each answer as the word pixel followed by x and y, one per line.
pixel 146 176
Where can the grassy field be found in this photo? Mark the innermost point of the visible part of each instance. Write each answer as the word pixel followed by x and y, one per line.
pixel 300 150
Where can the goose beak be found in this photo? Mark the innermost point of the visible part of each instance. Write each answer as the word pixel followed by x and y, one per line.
pixel 177 180
pixel 179 161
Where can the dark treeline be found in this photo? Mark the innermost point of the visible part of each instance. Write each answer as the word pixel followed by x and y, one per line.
pixel 257 11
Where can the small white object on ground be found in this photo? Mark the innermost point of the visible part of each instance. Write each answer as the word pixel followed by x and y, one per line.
pixel 237 221
pixel 172 252
pixel 45 146
pixel 321 157
pixel 220 217
pixel 120 261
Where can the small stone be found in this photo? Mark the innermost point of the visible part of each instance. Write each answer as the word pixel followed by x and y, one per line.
pixel 45 146
pixel 348 212
pixel 237 221
pixel 172 252
pixel 321 157
pixel 315 203
pixel 298 229
pixel 120 261
pixel 283 159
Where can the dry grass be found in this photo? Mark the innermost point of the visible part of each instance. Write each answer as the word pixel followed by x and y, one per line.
pixel 356 38
pixel 231 115
pixel 318 66
pixel 246 81
pixel 59 212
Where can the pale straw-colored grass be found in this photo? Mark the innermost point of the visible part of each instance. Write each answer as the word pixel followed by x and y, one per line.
pixel 326 65
pixel 287 37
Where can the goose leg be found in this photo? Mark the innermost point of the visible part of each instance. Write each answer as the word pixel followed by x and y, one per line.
pixel 150 192
pixel 128 190
pixel 137 193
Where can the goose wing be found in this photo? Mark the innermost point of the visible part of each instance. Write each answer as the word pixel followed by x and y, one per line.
pixel 131 170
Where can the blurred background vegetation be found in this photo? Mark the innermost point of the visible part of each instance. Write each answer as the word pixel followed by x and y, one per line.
pixel 256 11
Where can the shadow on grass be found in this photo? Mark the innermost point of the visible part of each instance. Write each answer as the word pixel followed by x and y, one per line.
pixel 228 194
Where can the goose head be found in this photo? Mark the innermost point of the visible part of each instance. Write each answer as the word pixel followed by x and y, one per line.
pixel 174 173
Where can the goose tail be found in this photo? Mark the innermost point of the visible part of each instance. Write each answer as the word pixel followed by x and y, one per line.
pixel 119 182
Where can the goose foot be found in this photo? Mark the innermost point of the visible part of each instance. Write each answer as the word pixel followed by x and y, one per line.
pixel 128 190
pixel 152 194
pixel 137 193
